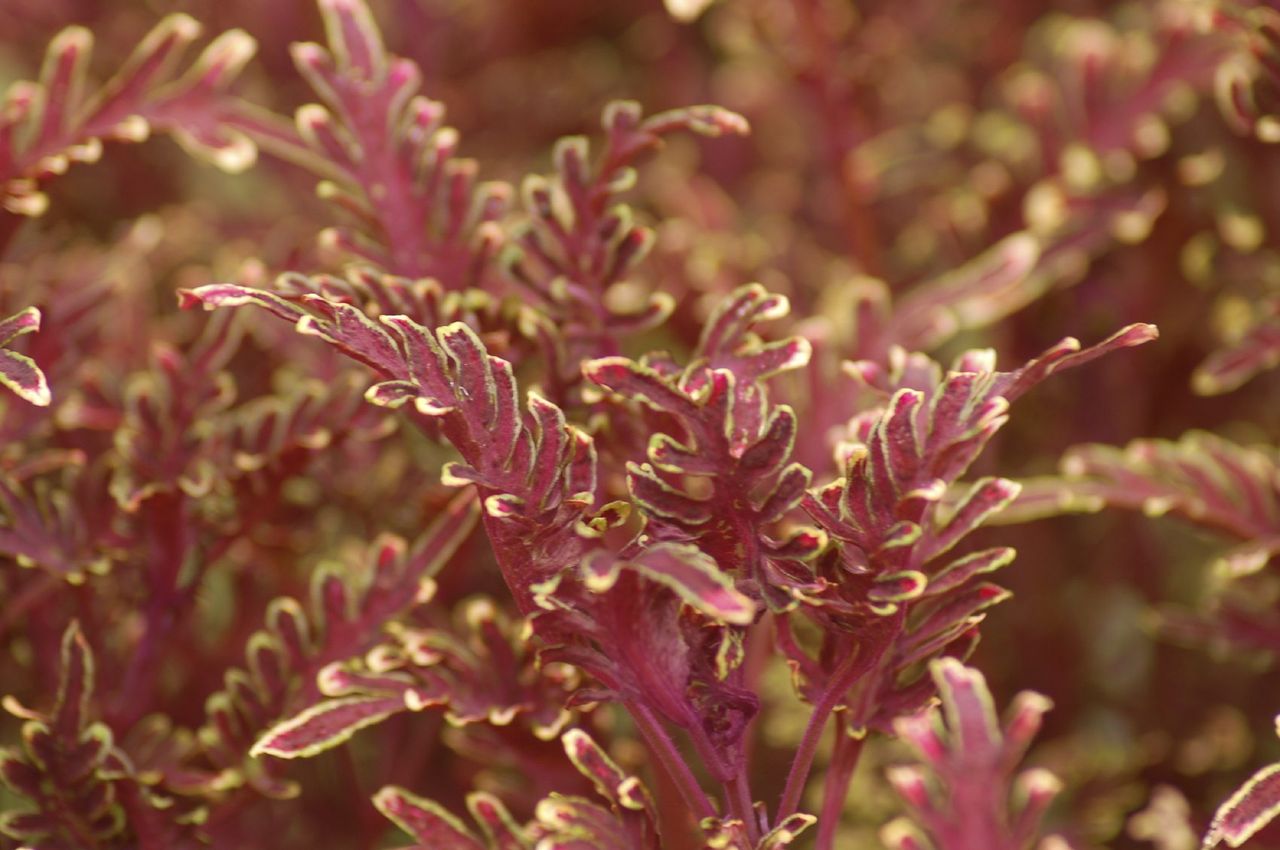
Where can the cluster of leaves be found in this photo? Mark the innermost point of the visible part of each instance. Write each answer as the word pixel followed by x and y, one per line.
pixel 87 791
pixel 614 459
pixel 64 118
pixel 948 810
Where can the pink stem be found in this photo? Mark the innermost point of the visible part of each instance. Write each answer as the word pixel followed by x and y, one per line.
pixel 738 793
pixel 844 761
pixel 854 666
pixel 668 755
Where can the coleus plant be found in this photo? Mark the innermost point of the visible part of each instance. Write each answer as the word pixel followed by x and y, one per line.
pixel 499 503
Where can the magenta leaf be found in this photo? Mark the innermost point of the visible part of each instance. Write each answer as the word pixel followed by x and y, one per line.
pixel 1247 811
pixel 890 520
pixel 64 119
pixel 425 820
pixel 966 792
pixel 985 499
pixel 1257 350
pixel 610 781
pixel 500 829
pixel 478 672
pixel 1201 477
pixel 79 786
pixel 578 244
pixel 19 372
pixel 786 832
pixel 27 321
pixel 285 660
pixel 21 375
pixel 387 161
pixel 728 436
pixel 325 725
pixel 233 295
pixel 1068 354
pixel 561 822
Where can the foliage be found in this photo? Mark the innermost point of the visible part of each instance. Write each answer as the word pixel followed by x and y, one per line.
pixel 516 499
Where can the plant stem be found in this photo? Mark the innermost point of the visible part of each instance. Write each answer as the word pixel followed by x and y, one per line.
pixel 844 761
pixel 849 671
pixel 674 819
pixel 738 793
pixel 668 755
pixel 803 760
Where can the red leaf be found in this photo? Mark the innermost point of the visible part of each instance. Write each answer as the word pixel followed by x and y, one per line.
pixel 1248 810
pixel 325 725
pixel 427 821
